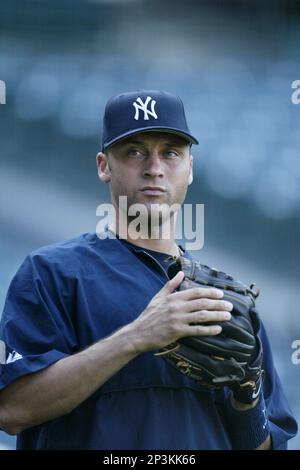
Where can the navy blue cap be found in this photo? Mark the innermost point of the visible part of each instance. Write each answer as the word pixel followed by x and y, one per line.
pixel 141 111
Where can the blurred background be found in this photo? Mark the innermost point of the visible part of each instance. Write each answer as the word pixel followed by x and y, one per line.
pixel 232 62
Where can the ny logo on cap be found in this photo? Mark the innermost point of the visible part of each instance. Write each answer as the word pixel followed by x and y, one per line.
pixel 139 105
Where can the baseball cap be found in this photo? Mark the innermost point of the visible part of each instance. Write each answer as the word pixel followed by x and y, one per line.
pixel 141 111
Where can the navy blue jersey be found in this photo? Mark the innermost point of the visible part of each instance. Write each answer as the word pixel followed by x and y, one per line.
pixel 67 296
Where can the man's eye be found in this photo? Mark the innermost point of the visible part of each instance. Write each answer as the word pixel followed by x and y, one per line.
pixel 171 153
pixel 134 152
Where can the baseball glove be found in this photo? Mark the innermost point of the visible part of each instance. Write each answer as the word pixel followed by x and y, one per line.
pixel 232 358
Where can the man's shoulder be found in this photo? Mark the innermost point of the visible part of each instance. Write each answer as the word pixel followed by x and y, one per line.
pixel 63 246
pixel 66 253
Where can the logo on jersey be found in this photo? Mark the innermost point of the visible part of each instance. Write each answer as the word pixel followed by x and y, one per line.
pixel 12 356
pixel 264 411
pixel 140 106
pixel 257 391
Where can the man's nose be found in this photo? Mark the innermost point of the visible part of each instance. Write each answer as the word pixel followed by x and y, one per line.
pixel 153 166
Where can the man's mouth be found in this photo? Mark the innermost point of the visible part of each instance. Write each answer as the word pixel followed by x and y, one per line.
pixel 153 190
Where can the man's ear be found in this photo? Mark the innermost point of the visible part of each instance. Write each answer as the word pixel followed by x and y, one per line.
pixel 103 167
pixel 190 180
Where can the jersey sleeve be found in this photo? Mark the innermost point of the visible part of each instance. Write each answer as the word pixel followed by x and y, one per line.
pixel 283 425
pixel 35 328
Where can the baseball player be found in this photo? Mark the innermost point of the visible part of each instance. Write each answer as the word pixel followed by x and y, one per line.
pixel 83 318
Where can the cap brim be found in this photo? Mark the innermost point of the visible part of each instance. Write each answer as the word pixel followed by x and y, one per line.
pixel 168 130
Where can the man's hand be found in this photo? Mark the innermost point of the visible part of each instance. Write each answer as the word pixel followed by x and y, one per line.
pixel 172 315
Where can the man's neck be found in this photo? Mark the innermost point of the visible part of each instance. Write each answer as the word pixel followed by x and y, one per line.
pixel 168 246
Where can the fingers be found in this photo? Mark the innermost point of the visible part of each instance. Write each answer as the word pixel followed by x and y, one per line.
pixel 171 285
pixel 199 292
pixel 199 330
pixel 206 316
pixel 207 304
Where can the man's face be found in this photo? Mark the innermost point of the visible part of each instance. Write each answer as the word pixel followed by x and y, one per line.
pixel 150 159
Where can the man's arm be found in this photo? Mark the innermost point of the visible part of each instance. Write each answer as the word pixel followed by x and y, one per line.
pixel 56 390
pixel 267 444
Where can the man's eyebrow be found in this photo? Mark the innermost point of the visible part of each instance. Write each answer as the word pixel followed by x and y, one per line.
pixel 180 143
